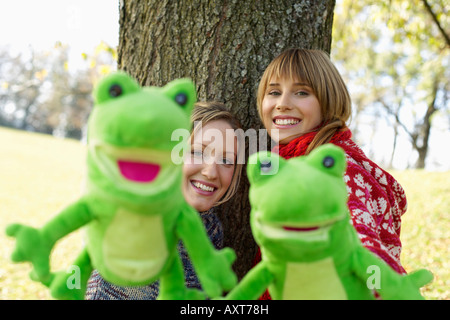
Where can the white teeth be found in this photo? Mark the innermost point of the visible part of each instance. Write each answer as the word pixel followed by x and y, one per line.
pixel 201 186
pixel 286 121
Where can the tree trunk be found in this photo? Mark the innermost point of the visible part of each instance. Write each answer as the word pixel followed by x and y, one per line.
pixel 421 140
pixel 224 47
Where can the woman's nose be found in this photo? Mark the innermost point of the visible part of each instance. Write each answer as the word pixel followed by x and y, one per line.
pixel 283 103
pixel 282 107
pixel 210 170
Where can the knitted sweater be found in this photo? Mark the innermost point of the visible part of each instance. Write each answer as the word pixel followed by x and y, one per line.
pixel 100 289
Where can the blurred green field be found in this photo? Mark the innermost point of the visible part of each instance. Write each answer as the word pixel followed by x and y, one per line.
pixel 425 232
pixel 39 175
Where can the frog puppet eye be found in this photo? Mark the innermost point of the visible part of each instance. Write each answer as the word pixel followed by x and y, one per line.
pixel 114 85
pixel 328 162
pixel 115 90
pixel 266 166
pixel 181 99
pixel 263 165
pixel 328 158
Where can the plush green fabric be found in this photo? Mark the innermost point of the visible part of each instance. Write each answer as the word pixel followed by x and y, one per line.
pixel 133 208
pixel 309 248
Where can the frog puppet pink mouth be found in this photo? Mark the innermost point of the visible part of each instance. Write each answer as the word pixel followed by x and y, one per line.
pixel 141 172
pixel 300 229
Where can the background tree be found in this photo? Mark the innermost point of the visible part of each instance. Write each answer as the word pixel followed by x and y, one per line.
pixel 224 47
pixel 39 92
pixel 20 88
pixel 395 56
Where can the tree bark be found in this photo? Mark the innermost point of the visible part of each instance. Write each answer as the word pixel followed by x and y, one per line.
pixel 224 47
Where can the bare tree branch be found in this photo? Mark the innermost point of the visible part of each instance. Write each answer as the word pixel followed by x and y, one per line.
pixel 397 118
pixel 435 19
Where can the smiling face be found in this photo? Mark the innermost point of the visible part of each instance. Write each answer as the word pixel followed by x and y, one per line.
pixel 291 107
pixel 208 168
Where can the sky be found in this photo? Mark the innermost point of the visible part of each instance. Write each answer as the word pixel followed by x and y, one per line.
pixel 82 24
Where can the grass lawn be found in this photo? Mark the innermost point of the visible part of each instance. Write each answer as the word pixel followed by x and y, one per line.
pixel 425 230
pixel 40 175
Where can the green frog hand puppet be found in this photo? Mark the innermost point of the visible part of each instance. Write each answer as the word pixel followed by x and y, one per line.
pixel 133 208
pixel 309 248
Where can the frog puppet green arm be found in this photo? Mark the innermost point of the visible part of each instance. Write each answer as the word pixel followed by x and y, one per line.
pixel 309 248
pixel 133 208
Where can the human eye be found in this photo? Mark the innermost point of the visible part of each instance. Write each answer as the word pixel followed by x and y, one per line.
pixel 302 90
pixel 226 162
pixel 274 93
pixel 302 93
pixel 197 152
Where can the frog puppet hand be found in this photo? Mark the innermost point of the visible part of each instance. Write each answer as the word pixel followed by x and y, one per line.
pixel 213 267
pixel 33 247
pixel 218 275
pixel 389 284
pixel 412 284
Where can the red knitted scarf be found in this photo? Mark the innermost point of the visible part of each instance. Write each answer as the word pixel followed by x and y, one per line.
pixel 298 146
